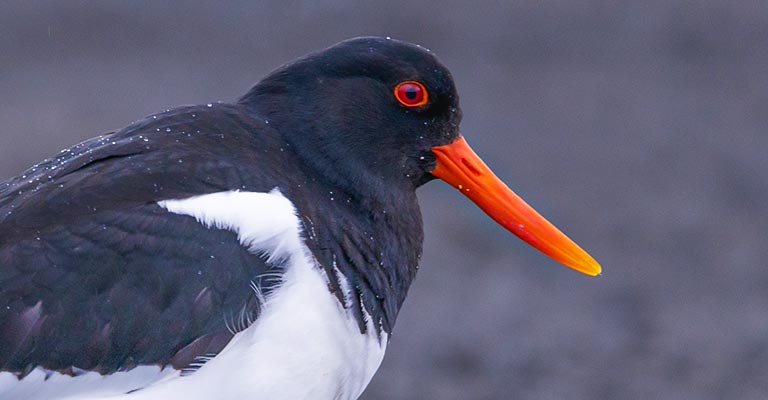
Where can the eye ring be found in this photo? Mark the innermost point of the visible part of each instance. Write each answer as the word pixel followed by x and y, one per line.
pixel 411 94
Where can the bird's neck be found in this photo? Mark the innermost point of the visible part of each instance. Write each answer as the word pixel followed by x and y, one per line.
pixel 369 249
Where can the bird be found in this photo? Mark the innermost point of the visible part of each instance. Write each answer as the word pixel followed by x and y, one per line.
pixel 260 249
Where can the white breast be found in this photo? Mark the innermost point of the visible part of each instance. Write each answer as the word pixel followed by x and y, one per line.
pixel 304 345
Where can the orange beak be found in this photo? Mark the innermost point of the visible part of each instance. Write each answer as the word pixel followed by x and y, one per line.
pixel 458 165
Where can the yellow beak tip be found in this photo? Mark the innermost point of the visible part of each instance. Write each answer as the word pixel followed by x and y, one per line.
pixel 593 270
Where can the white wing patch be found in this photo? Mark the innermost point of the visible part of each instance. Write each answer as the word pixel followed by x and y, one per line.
pixel 264 222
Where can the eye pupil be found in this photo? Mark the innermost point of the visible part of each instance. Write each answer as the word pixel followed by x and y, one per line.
pixel 411 94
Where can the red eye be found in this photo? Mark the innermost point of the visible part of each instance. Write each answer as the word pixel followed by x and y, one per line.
pixel 411 94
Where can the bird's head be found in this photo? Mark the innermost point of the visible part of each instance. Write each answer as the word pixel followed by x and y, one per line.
pixel 384 115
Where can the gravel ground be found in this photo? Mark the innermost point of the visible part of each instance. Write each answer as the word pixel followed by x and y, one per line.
pixel 640 128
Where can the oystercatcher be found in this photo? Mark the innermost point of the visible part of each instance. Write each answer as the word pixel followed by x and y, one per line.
pixel 260 249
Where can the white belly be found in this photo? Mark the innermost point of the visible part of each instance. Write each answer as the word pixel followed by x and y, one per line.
pixel 304 344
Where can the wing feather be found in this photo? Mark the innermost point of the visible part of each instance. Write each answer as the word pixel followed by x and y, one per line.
pixel 94 275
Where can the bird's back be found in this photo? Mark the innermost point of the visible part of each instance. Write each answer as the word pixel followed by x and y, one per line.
pixel 94 274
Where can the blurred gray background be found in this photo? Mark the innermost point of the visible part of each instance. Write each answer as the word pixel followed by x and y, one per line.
pixel 639 127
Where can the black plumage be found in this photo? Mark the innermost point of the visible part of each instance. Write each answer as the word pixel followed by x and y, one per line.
pixel 94 275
